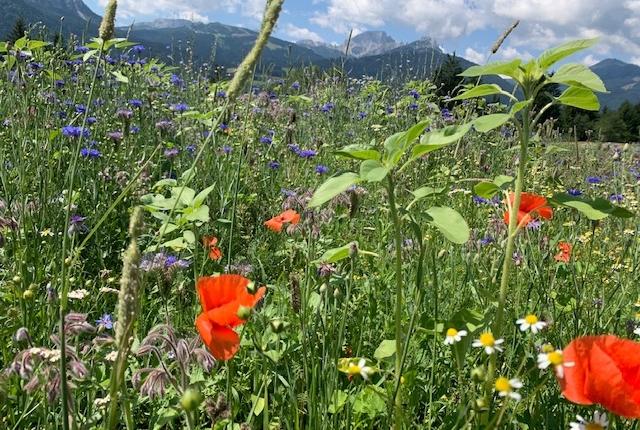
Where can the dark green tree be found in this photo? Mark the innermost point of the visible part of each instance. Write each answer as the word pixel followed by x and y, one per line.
pixel 18 31
pixel 446 77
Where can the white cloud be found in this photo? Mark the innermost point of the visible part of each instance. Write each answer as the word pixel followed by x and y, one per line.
pixel 589 60
pixel 183 8
pixel 299 33
pixel 635 60
pixel 194 16
pixel 543 22
pixel 475 56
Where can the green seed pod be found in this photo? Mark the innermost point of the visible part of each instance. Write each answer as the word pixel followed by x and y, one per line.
pixel 191 399
pixel 244 312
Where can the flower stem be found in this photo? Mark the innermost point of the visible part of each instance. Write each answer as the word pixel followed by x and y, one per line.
pixel 397 398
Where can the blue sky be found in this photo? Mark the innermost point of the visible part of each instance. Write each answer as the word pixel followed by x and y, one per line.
pixel 468 27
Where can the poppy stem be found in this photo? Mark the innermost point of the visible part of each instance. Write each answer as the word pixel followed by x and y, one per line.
pixel 395 219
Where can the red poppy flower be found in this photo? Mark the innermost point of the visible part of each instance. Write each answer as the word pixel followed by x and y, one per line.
pixel 221 297
pixel 565 252
pixel 531 206
pixel 606 370
pixel 277 222
pixel 214 252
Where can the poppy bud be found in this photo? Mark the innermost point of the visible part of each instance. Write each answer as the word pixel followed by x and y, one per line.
pixel 251 287
pixel 336 293
pixel 67 261
pixel 16 279
pixel 481 403
pixel 277 325
pixel 353 249
pixel 27 295
pixel 244 312
pixel 191 399
pixel 33 287
pixel 478 374
pixel 323 288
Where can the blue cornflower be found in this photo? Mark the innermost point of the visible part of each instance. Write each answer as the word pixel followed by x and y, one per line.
pixel 295 86
pixel 80 108
pixel 413 106
pixel 105 321
pixel 266 140
pixel 480 200
pixel 136 103
pixel 307 153
pixel 362 115
pixel 134 129
pixel 593 180
pixel 180 107
pixel 294 148
pixel 191 149
pixel 81 49
pixel 488 240
pixel 446 114
pixel 389 110
pixel 574 192
pixel 91 120
pixel 322 169
pixel 223 127
pixel 176 80
pixel 327 107
pixel 75 132
pixel 138 49
pixel 227 149
pixel 616 198
pixel 124 114
pixel 221 94
pixel 90 153
pixel 59 83
pixel 77 225
pixel 274 165
pixel 415 94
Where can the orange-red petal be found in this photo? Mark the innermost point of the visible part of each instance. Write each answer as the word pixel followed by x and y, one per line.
pixel 215 291
pixel 227 315
pixel 274 225
pixel 222 342
pixel 215 253
pixel 606 371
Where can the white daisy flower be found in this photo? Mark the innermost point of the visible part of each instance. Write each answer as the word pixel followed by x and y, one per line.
pixel 599 422
pixel 361 369
pixel 507 388
pixel 488 342
pixel 454 336
pixel 531 322
pixel 555 359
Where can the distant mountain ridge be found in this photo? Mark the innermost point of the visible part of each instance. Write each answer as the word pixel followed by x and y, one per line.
pixel 371 53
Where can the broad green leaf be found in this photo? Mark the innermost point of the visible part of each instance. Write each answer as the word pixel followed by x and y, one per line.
pixel 450 223
pixel 177 244
pixel 37 44
pixel 120 77
pixel 553 55
pixel 424 192
pixel 508 68
pixel 189 237
pixel 88 55
pixel 337 254
pixel 486 190
pixel 200 214
pixel 373 171
pixel 438 138
pixel 502 180
pixel 396 145
pixel 3 47
pixel 359 152
pixel 332 187
pixel 482 91
pixel 579 97
pixel 338 400
pixel 578 75
pixel 257 404
pixel 370 402
pixel 595 210
pixel 168 227
pixel 202 195
pixel 385 350
pixel 186 195
pixel 168 182
pixel 488 122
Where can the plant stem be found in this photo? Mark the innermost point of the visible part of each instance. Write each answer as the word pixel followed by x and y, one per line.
pixel 513 220
pixel 397 398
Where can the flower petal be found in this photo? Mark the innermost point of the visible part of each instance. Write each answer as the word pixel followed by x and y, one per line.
pixel 222 342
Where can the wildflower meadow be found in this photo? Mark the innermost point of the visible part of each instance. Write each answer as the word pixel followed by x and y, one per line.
pixel 180 249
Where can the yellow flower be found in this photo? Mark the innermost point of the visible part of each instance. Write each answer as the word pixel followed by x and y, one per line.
pixel 488 342
pixel 507 387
